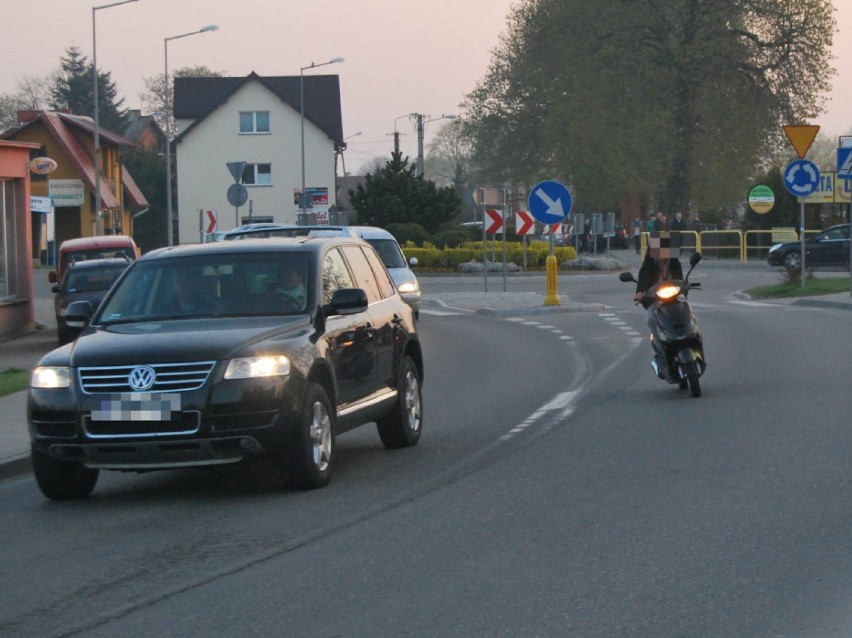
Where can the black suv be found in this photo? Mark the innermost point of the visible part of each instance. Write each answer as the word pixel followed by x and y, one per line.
pixel 220 353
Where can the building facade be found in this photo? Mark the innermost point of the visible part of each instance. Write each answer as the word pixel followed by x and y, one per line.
pixel 17 312
pixel 257 121
pixel 69 140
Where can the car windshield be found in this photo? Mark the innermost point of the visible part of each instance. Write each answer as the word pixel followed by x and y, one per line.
pixel 222 285
pixel 92 279
pixel 389 252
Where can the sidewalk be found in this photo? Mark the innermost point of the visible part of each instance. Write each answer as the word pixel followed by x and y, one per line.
pixel 24 352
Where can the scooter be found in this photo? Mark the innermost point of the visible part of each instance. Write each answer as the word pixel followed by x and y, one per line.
pixel 676 337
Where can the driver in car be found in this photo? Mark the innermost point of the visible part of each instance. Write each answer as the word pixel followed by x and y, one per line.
pixel 292 285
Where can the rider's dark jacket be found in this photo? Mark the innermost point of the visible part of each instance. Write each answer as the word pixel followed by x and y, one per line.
pixel 649 272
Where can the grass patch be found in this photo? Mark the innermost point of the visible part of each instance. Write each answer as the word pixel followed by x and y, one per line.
pixel 794 288
pixel 13 381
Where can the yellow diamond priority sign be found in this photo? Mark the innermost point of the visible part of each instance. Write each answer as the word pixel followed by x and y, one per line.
pixel 801 137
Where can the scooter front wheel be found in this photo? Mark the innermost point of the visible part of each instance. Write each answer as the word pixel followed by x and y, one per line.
pixel 692 374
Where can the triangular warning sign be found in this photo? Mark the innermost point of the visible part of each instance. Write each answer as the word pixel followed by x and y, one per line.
pixel 801 137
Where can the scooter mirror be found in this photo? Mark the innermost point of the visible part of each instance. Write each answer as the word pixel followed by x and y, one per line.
pixel 695 258
pixel 626 276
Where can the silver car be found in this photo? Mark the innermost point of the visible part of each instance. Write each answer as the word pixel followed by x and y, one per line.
pixel 394 260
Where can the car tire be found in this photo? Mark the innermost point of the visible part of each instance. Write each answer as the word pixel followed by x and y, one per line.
pixel 793 260
pixel 63 480
pixel 310 458
pixel 403 426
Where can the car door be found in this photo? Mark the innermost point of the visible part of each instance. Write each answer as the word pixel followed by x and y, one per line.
pixel 381 325
pixel 831 247
pixel 350 338
pixel 385 307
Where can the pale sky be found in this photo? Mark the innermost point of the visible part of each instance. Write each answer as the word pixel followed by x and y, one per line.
pixel 401 56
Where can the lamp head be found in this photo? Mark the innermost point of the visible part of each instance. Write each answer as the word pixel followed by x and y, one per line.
pixel 209 27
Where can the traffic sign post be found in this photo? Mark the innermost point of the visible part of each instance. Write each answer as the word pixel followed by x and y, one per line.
pixel 801 178
pixel 237 193
pixel 844 163
pixel 550 203
pixel 844 171
pixel 761 199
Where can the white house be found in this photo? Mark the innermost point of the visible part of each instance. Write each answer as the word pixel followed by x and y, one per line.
pixel 256 120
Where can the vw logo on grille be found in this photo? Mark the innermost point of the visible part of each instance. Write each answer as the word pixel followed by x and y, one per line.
pixel 141 378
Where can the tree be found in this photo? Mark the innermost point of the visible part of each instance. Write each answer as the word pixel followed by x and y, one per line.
pixel 72 90
pixel 148 169
pixel 394 194
pixel 154 97
pixel 31 95
pixel 449 158
pixel 676 103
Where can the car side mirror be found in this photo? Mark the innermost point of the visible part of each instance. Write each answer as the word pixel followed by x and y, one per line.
pixel 346 301
pixel 79 313
pixel 55 289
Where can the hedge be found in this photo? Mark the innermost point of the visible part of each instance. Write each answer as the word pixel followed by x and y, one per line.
pixel 449 259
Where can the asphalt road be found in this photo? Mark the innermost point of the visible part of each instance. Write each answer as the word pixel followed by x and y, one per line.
pixel 559 490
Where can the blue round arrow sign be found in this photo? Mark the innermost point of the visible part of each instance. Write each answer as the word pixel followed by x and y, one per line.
pixel 801 177
pixel 549 202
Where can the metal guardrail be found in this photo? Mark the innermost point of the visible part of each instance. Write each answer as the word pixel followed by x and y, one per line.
pixel 734 243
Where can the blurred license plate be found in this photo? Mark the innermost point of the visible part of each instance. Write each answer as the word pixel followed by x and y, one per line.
pixel 138 406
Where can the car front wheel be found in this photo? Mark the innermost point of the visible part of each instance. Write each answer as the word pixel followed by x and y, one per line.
pixel 793 260
pixel 310 458
pixel 402 427
pixel 62 480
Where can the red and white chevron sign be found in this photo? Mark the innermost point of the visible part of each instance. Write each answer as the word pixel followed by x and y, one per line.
pixel 213 219
pixel 552 229
pixel 524 223
pixel 494 219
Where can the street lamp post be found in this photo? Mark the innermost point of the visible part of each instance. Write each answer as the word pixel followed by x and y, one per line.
pixel 302 70
pixel 342 149
pixel 396 133
pixel 97 142
pixel 169 233
pixel 421 126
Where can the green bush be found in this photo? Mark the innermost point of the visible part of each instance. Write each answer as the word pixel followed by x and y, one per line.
pixel 431 257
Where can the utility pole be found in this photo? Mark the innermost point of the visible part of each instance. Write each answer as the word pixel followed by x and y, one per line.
pixel 418 117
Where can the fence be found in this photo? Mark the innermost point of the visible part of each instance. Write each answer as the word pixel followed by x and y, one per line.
pixel 734 244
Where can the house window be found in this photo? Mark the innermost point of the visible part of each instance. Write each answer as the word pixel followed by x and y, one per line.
pixel 254 121
pixel 257 175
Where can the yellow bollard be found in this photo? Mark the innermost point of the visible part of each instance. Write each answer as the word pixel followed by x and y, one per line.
pixel 552 298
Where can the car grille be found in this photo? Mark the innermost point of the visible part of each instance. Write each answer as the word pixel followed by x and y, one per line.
pixel 170 377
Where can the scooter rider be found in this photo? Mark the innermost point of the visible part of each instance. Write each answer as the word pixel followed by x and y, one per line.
pixel 660 263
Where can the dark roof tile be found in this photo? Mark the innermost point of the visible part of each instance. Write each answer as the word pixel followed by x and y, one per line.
pixel 196 98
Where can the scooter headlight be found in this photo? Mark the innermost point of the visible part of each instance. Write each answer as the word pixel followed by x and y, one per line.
pixel 667 292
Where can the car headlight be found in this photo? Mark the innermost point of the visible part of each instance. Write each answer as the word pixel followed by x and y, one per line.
pixel 51 377
pixel 255 367
pixel 774 248
pixel 409 286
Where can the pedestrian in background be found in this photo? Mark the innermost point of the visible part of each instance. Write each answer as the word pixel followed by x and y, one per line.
pixel 637 234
